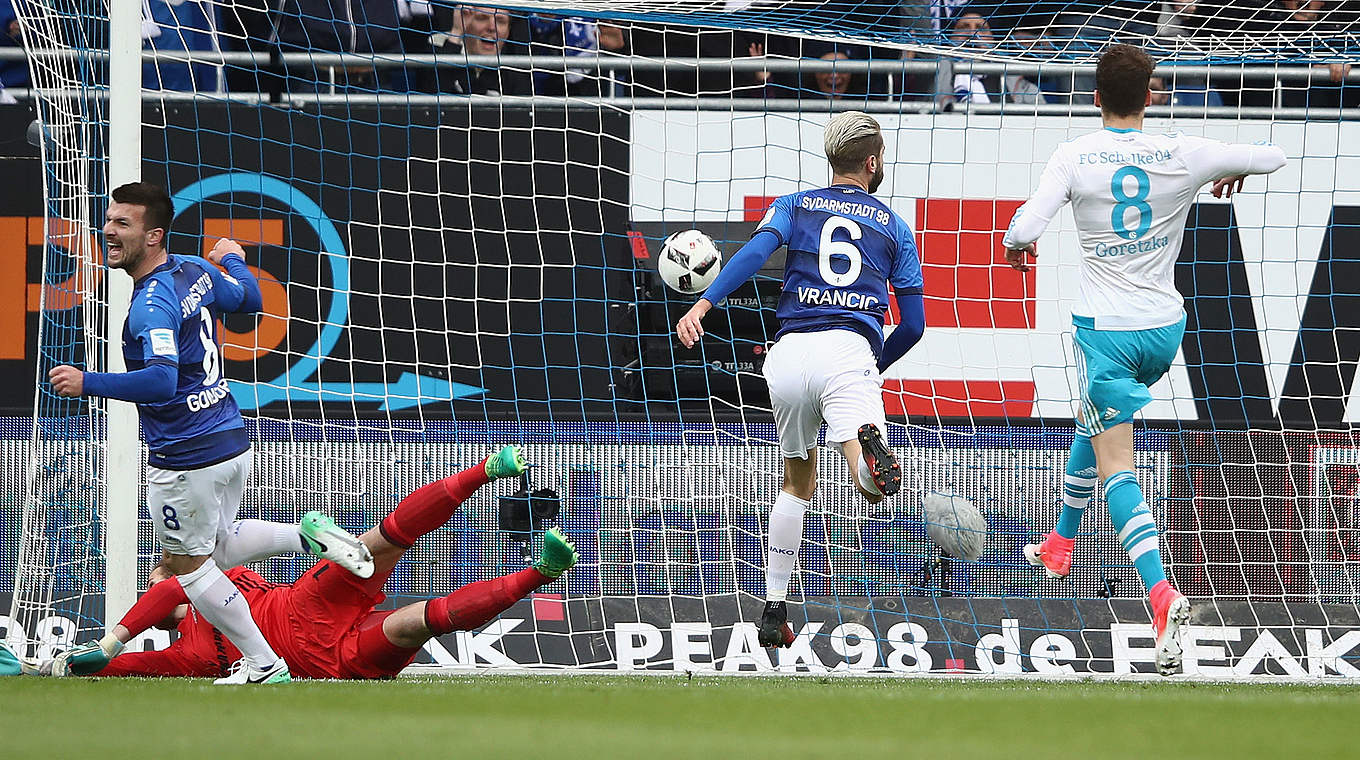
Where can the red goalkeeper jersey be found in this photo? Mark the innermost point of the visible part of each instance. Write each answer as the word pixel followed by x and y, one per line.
pixel 304 622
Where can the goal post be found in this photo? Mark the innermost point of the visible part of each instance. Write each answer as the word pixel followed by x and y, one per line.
pixel 445 271
pixel 124 465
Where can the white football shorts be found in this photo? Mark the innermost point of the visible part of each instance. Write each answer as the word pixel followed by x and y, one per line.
pixel 828 376
pixel 192 509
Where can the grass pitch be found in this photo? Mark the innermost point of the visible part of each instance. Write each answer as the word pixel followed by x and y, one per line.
pixel 563 717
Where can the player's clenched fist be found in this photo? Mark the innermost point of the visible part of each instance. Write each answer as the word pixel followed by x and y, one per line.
pixel 67 380
pixel 1016 257
pixel 690 328
pixel 225 246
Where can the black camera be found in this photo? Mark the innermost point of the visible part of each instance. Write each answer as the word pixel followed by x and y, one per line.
pixel 524 511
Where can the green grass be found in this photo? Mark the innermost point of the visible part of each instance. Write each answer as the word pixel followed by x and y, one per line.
pixel 556 718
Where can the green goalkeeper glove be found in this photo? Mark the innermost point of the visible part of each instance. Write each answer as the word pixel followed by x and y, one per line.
pixel 88 658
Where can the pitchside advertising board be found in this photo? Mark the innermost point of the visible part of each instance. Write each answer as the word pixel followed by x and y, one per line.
pixel 1007 637
pixel 671 572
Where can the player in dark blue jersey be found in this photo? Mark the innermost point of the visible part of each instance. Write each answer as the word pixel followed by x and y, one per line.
pixel 844 249
pixel 199 453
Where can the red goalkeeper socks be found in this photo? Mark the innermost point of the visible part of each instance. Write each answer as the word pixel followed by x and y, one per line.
pixel 476 603
pixel 430 506
pixel 156 604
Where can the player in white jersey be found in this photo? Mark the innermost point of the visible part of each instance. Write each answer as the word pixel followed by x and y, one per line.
pixel 1130 194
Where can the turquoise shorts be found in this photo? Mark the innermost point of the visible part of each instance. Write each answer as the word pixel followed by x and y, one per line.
pixel 1115 368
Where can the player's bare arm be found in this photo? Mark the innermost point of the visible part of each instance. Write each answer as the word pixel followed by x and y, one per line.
pixel 690 328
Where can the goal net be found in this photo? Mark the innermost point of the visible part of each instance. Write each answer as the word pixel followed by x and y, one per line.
pixel 455 214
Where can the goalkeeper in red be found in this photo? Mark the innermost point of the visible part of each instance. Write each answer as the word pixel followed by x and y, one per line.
pixel 326 624
pixel 1130 193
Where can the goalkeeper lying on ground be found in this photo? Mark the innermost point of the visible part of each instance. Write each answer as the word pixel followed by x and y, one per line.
pixel 325 624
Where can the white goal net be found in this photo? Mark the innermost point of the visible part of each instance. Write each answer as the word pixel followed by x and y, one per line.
pixel 454 213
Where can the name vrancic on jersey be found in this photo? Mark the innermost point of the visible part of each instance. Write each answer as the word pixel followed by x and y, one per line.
pixel 836 297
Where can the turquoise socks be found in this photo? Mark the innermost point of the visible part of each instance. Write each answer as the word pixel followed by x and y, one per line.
pixel 1078 485
pixel 1134 525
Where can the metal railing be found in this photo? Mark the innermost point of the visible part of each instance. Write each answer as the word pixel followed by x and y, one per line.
pixel 1257 77
pixel 608 62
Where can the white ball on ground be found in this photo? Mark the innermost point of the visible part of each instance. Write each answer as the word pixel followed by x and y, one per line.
pixel 689 262
pixel 955 525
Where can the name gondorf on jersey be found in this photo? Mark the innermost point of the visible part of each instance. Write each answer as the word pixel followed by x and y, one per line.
pixel 208 396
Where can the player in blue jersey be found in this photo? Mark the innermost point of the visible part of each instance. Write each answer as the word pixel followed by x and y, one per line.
pixel 844 248
pixel 199 454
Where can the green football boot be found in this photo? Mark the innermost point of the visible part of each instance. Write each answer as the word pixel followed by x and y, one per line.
pixel 559 555
pixel 322 537
pixel 509 462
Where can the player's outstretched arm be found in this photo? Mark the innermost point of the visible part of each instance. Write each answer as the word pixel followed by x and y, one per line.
pixel 743 266
pixel 237 291
pixel 1227 165
pixel 153 321
pixel 159 605
pixel 151 384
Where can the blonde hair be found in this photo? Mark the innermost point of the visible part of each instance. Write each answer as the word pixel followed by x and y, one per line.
pixel 850 138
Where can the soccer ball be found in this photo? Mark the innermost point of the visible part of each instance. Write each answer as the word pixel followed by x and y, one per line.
pixel 689 261
pixel 955 525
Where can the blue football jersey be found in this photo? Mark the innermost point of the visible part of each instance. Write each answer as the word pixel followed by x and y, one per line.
pixel 173 320
pixel 844 247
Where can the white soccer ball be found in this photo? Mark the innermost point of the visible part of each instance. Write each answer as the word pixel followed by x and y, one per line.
pixel 955 525
pixel 689 261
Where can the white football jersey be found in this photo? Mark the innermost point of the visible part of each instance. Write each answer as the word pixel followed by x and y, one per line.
pixel 1130 193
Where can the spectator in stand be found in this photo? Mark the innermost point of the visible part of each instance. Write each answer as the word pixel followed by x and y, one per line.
pixel 1180 18
pixel 183 26
pixel 338 26
pixel 247 26
pixel 575 37
pixel 1297 18
pixel 477 30
pixel 943 13
pixel 13 73
pixel 1160 95
pixel 1177 22
pixel 971 30
pixel 418 22
pixel 658 41
pixel 833 84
